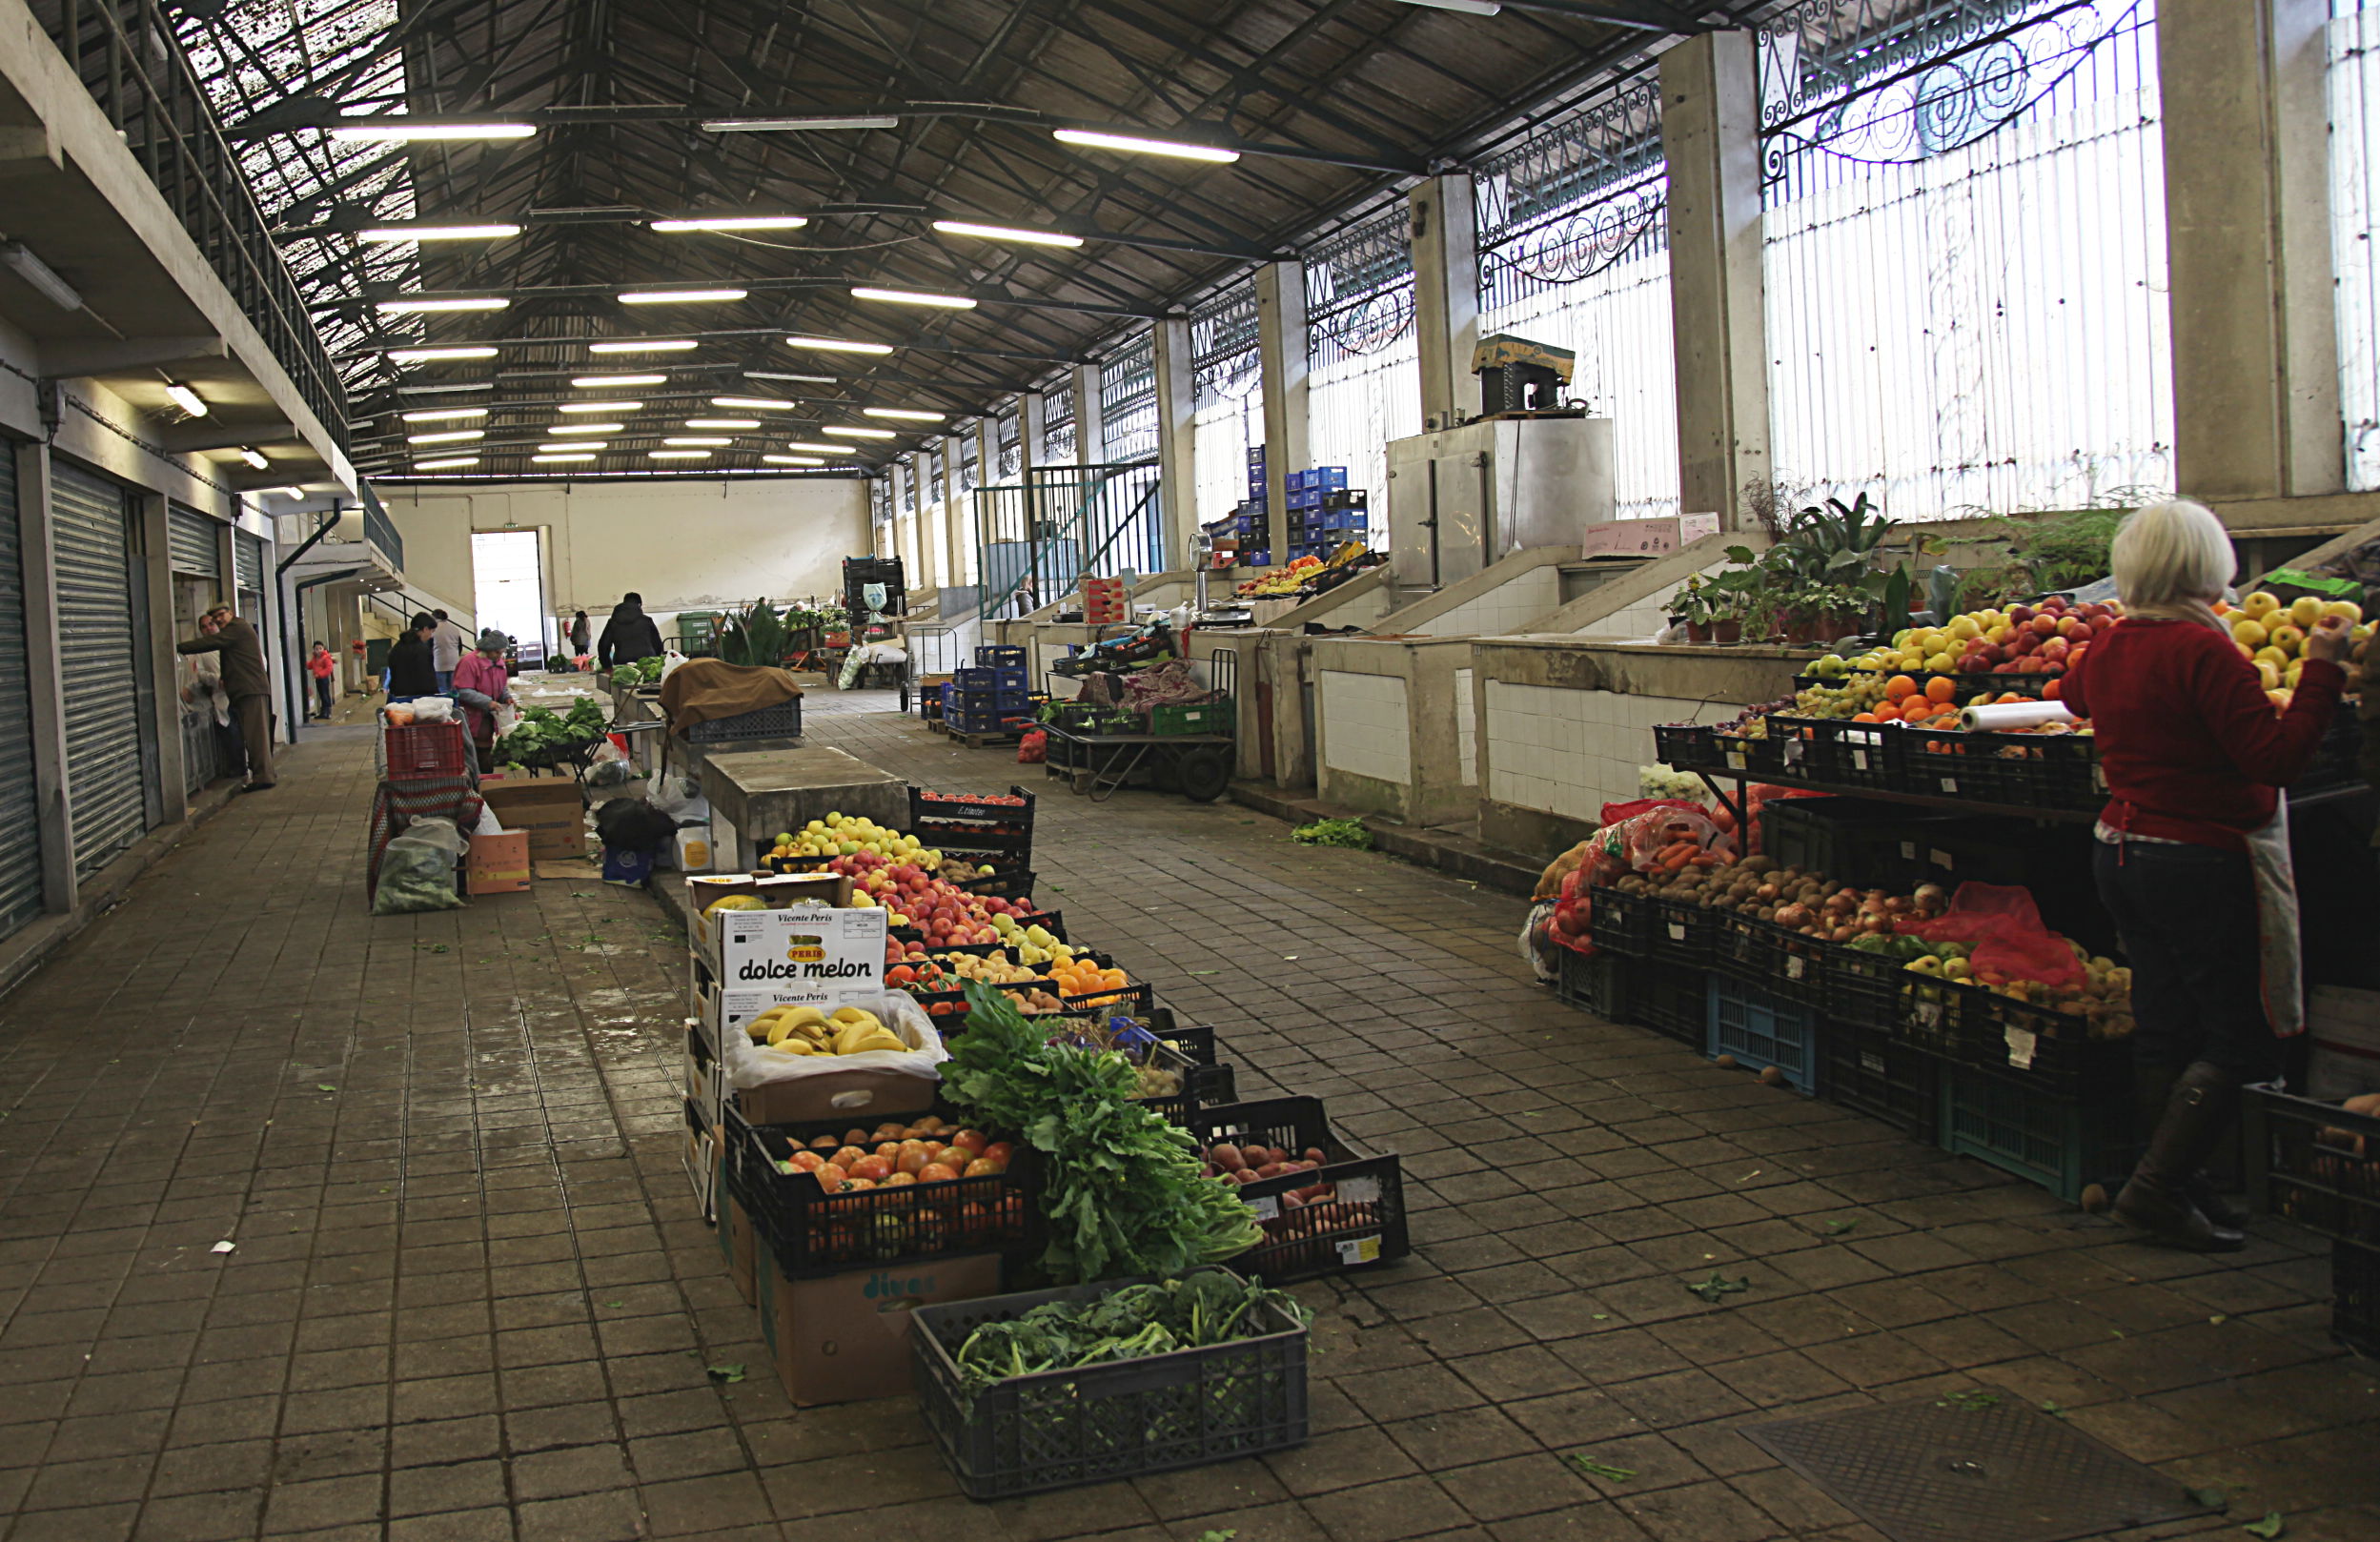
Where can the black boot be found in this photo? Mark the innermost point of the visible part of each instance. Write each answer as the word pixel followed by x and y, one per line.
pixel 2158 1199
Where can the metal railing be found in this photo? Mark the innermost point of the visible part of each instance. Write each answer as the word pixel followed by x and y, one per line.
pixel 127 56
pixel 1064 524
pixel 380 531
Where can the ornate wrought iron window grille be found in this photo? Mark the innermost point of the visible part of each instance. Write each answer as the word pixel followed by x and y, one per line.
pixel 1127 401
pixel 1359 290
pixel 1579 198
pixel 1225 360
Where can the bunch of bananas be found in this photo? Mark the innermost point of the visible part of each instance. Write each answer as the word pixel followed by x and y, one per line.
pixel 807 1031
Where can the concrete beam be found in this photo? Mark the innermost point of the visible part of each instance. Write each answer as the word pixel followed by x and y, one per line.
pixel 2248 229
pixel 207 433
pixel 1710 133
pixel 69 360
pixel 30 149
pixel 1090 417
pixel 1177 466
pixel 1281 361
pixel 1445 296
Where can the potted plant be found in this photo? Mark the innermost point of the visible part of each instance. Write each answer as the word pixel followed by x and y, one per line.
pixel 1690 607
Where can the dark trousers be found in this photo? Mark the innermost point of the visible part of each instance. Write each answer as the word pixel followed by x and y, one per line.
pixel 322 693
pixel 2188 918
pixel 254 716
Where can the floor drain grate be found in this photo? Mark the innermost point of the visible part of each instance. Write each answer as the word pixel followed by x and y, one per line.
pixel 1975 1467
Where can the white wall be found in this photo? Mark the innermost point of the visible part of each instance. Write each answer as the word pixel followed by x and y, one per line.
pixel 690 545
pixel 1507 608
pixel 1367 727
pixel 1570 752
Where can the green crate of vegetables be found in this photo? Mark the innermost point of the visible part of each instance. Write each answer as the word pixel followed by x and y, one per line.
pixel 1053 1388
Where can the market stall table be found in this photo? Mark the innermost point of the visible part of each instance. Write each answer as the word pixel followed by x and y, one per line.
pixel 1196 765
pixel 754 793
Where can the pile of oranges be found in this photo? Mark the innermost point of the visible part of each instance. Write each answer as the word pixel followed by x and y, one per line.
pixel 1084 978
pixel 1928 705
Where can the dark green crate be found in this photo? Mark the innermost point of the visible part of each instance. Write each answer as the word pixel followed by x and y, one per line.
pixel 2065 1145
pixel 1205 718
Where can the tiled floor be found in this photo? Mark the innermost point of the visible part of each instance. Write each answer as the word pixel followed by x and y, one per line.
pixel 468 1296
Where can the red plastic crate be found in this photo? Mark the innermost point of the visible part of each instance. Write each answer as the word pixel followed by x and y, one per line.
pixel 424 750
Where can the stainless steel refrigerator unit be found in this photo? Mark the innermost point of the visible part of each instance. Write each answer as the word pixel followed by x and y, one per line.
pixel 1470 495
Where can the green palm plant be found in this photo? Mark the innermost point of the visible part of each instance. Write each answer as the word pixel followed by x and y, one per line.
pixel 754 634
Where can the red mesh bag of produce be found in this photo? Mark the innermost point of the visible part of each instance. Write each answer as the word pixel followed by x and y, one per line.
pixel 1571 925
pixel 2001 921
pixel 1034 748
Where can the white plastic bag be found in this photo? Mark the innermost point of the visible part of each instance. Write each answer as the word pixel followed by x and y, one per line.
pixel 489 824
pixel 750 1065
pixel 507 719
pixel 670 661
pixel 432 708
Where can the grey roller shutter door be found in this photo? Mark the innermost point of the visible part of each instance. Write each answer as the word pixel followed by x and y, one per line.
pixel 20 832
pixel 248 561
pixel 192 544
pixel 97 631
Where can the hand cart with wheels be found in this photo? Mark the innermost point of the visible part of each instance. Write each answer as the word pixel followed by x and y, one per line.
pixel 1196 765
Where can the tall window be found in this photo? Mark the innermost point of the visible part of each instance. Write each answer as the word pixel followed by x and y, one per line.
pixel 1574 250
pixel 916 467
pixel 1966 252
pixel 1007 433
pixel 1127 402
pixel 1363 385
pixel 1228 412
pixel 969 453
pixel 2354 78
pixel 1057 424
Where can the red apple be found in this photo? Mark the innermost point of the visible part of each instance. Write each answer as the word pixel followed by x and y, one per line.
pixel 2045 626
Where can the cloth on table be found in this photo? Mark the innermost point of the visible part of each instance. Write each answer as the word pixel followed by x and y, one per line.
pixel 397 804
pixel 702 690
pixel 1168 684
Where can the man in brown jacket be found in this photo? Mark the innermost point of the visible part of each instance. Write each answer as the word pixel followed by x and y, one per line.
pixel 222 631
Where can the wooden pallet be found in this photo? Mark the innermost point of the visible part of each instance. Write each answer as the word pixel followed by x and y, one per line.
pixel 977 742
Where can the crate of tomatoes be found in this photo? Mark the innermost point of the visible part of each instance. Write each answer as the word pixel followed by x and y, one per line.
pixel 1325 1207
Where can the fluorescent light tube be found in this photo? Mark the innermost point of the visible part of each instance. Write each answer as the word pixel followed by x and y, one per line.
pixel 644 345
pixel 864 433
pixel 792 461
pixel 452 435
pixel 291 492
pixel 681 297
pixel 822 449
pixel 440 390
pixel 1135 145
pixel 911 296
pixel 435 356
pixel 838 345
pixel 722 422
pixel 568 446
pixel 601 382
pixel 1005 233
pixel 1469 8
pixel 439 232
pixel 794 125
pixel 677 454
pixel 599 406
pixel 772 374
pixel 758 404
pixel 447 464
pixel 256 457
pixel 584 428
pixel 734 222
pixel 698 441
pixel 400 129
pixel 187 400
pixel 551 460
pixel 19 259
pixel 483 303
pixel 909 414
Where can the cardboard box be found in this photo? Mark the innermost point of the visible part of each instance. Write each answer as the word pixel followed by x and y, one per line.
pixel 551 810
pixel 705 1083
pixel 845 1338
pixel 497 863
pixel 699 1154
pixel 1647 538
pixel 694 851
pixel 809 954
pixel 2343 1030
pixel 734 1246
pixel 773 889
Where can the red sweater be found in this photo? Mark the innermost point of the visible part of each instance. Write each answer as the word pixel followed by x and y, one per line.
pixel 2190 742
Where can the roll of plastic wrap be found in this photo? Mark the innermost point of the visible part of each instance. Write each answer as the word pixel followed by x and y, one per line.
pixel 2001 716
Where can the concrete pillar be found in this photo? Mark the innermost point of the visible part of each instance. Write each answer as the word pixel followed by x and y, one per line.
pixel 954 509
pixel 1090 417
pixel 1031 423
pixel 987 475
pixel 1177 466
pixel 2248 229
pixel 166 698
pixel 1710 133
pixel 45 683
pixel 1445 296
pixel 1281 357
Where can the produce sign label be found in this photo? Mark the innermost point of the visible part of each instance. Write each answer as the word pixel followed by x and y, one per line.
pixel 804 956
pixel 1359 1250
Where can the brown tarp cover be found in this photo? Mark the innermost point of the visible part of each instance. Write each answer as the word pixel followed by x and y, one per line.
pixel 701 689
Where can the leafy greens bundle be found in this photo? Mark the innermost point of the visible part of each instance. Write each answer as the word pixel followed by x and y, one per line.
pixel 542 729
pixel 1212 1307
pixel 1122 1191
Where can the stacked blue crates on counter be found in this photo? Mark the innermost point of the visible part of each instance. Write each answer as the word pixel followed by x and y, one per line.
pixel 992 697
pixel 1324 512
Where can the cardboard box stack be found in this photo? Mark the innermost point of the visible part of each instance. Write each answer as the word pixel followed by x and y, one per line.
pixel 837 1334
pixel 1105 601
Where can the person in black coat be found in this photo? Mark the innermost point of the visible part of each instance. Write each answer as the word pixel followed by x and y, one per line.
pixel 630 634
pixel 412 668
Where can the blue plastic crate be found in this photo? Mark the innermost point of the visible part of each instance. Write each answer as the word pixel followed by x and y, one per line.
pixel 1016 700
pixel 1340 519
pixel 1256 560
pixel 1760 1031
pixel 2065 1145
pixel 1255 454
pixel 1305 498
pixel 993 678
pixel 988 721
pixel 1317 478
pixel 999 656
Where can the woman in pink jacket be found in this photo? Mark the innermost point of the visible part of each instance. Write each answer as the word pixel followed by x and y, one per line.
pixel 482 670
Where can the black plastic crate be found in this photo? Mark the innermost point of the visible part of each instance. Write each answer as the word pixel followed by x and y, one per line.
pixel 2314 1163
pixel 1868 990
pixel 2049 771
pixel 1873 1071
pixel 999 656
pixel 1681 931
pixel 1596 982
pixel 2019 1126
pixel 1361 1227
pixel 975 703
pixel 784 720
pixel 1004 884
pixel 925 804
pixel 1754 756
pixel 1672 1001
pixel 1838 751
pixel 1784 962
pixel 1759 1029
pixel 2356 1297
pixel 813 1233
pixel 962 721
pixel 1976 1025
pixel 1685 743
pixel 1621 923
pixel 2335 761
pixel 1858 842
pixel 1192 1039
pixel 1115 1419
pixel 985 680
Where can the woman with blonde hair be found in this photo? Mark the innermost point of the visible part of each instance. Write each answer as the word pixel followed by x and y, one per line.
pixel 2194 755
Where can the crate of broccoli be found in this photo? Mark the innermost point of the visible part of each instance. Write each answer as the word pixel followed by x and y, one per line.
pixel 1052 1388
pixel 546 737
